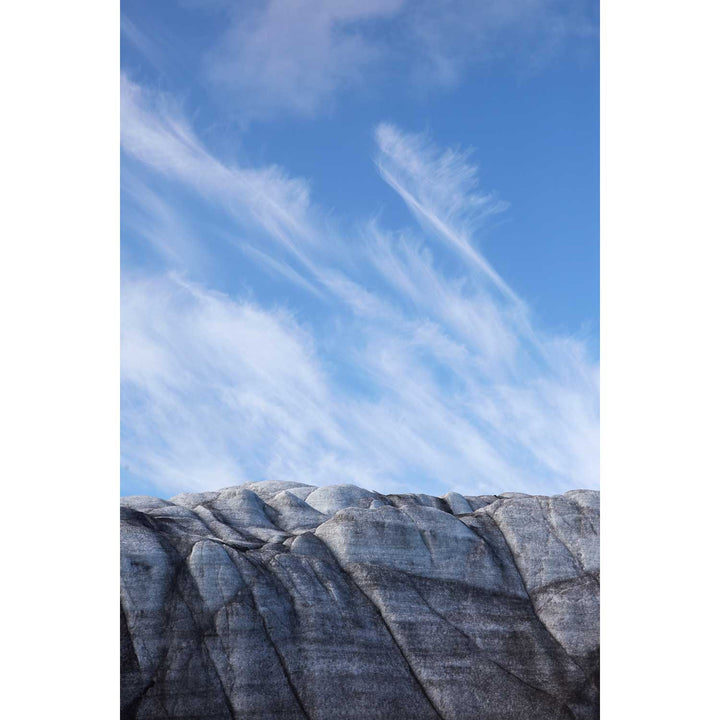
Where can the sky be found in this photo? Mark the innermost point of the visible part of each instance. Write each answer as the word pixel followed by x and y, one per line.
pixel 360 244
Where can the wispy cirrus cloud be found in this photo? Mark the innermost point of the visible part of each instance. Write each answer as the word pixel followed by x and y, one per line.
pixel 295 57
pixel 215 390
pixel 156 134
pixel 440 188
pixel 421 369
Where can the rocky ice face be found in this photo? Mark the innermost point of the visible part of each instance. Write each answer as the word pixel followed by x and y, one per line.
pixel 276 601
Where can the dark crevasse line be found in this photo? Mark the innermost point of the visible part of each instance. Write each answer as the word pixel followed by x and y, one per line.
pixel 390 632
pixel 563 586
pixel 268 635
pixel 582 570
pixel 532 602
pixel 358 594
pixel 184 583
pixel 562 702
pixel 129 666
pixel 554 532
pixel 474 641
pixel 145 521
pixel 401 646
pixel 199 625
pixel 488 544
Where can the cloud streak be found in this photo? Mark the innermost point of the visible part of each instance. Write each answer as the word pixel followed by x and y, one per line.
pixel 416 366
pixel 440 188
pixel 155 133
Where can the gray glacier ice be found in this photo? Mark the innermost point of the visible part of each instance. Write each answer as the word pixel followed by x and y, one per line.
pixel 279 600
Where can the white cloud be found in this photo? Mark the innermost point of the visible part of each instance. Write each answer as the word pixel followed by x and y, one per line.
pixel 155 133
pixel 440 188
pixel 419 374
pixel 146 213
pixel 215 389
pixel 293 56
pixel 280 56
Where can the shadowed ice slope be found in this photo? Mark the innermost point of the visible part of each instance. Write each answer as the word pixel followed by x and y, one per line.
pixel 279 600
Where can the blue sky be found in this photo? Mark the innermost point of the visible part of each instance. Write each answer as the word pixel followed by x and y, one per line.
pixel 360 244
